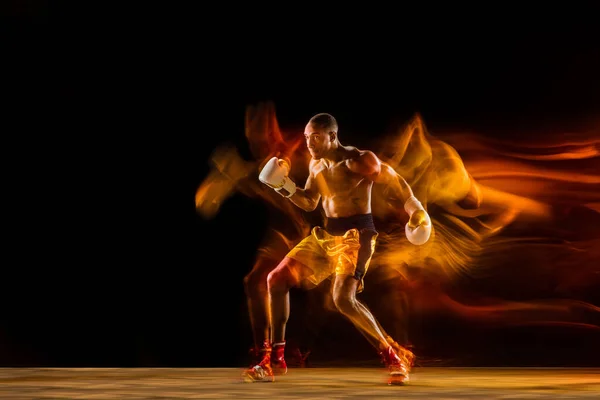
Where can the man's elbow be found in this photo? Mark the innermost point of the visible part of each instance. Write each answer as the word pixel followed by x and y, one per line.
pixel 306 204
pixel 308 208
pixel 312 205
pixel 309 204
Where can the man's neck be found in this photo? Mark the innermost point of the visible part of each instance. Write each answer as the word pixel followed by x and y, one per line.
pixel 334 154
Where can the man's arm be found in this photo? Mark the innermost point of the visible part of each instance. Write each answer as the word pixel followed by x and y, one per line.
pixel 307 198
pixel 365 163
pixel 370 166
pixel 418 228
pixel 275 175
pixel 396 187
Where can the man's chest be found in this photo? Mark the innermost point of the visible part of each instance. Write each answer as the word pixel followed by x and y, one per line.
pixel 337 177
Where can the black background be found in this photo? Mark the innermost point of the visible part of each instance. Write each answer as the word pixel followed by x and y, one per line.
pixel 119 111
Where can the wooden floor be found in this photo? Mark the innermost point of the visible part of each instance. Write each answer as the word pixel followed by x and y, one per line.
pixel 300 383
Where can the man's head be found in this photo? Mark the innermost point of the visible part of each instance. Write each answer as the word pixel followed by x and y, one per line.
pixel 321 134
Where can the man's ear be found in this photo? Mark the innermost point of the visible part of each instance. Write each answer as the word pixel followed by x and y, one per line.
pixel 332 136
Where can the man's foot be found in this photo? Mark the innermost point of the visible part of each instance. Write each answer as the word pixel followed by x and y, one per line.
pixel 404 353
pixel 261 371
pixel 399 364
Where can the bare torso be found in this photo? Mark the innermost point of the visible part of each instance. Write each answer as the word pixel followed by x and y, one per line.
pixel 343 192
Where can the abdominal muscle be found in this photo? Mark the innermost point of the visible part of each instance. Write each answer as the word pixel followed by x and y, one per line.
pixel 355 202
pixel 344 193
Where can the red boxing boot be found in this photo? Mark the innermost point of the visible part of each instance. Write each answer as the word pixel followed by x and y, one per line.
pixel 277 359
pixel 262 371
pixel 399 365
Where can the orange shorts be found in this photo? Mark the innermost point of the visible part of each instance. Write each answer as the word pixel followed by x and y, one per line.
pixel 326 254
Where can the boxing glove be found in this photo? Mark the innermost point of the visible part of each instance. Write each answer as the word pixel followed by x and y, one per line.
pixel 275 175
pixel 418 228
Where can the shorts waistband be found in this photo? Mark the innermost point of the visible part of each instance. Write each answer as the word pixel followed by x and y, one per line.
pixel 339 226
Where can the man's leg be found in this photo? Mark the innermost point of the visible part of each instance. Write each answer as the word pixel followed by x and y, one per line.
pixel 279 281
pixel 257 297
pixel 344 297
pixel 288 274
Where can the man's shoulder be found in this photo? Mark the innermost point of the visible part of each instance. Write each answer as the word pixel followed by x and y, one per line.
pixel 354 152
pixel 360 154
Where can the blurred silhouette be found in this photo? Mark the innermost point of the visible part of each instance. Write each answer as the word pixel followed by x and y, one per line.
pixel 516 229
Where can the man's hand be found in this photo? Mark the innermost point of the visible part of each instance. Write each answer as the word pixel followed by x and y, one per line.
pixel 418 228
pixel 275 175
pixel 418 218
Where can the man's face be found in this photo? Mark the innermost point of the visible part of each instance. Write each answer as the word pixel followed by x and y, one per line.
pixel 318 140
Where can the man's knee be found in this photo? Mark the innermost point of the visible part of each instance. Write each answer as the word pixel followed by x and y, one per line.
pixel 344 301
pixel 256 279
pixel 281 278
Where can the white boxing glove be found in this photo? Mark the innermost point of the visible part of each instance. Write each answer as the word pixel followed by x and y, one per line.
pixel 275 174
pixel 419 234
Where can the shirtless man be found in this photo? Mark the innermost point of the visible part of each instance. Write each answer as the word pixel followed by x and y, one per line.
pixel 341 179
